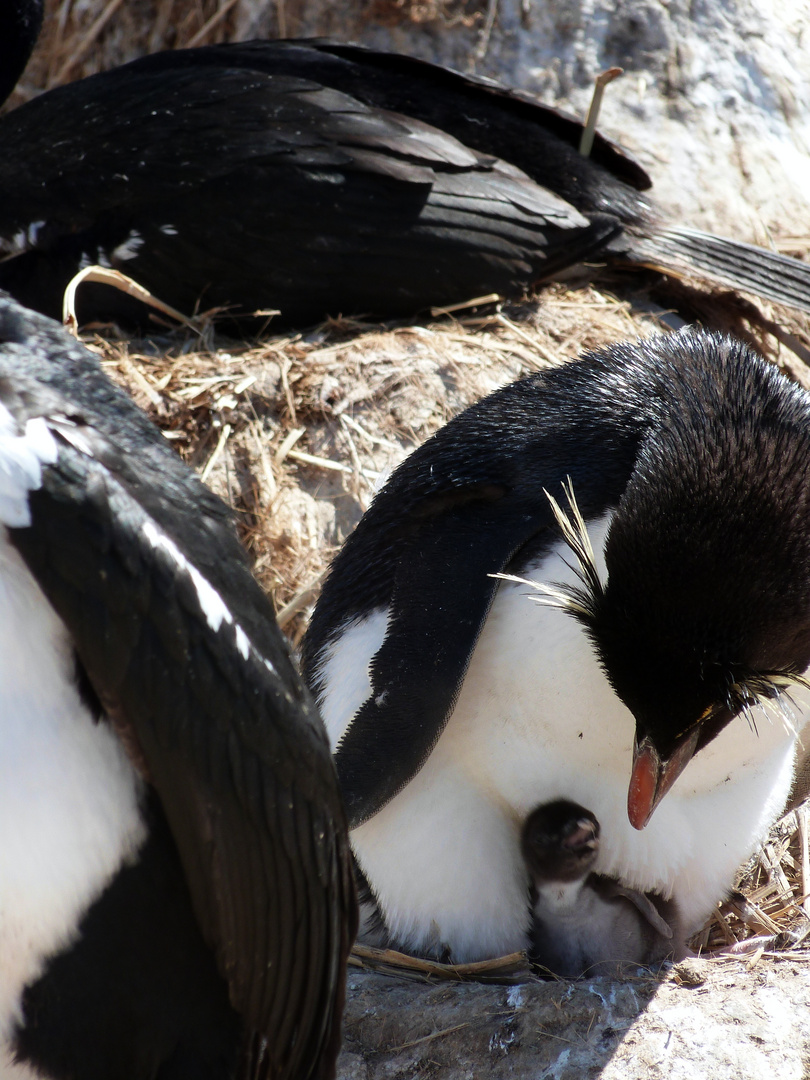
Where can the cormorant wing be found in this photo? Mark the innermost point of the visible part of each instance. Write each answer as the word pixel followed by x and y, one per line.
pixel 254 181
pixel 181 648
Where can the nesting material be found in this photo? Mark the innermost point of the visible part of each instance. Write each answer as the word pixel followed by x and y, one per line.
pixel 503 970
pixel 83 37
pixel 297 432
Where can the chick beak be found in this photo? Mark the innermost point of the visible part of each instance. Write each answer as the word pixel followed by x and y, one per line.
pixel 652 777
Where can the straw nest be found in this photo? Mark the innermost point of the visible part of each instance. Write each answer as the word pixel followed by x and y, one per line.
pixel 82 37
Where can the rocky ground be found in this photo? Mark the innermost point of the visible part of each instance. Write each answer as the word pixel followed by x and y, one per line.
pixel 724 1019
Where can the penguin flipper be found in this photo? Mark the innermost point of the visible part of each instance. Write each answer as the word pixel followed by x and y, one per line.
pixel 442 593
pixel 609 888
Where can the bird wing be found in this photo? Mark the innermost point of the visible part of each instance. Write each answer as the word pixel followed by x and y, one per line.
pixel 454 101
pixel 683 251
pixel 253 182
pixel 181 648
pixel 609 888
pixel 442 591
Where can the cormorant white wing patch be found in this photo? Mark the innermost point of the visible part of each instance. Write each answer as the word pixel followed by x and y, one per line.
pixel 129 248
pixel 214 608
pixel 21 459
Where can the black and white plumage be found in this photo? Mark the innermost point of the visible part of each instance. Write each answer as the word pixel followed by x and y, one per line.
pixel 583 923
pixel 317 178
pixel 175 885
pixel 456 705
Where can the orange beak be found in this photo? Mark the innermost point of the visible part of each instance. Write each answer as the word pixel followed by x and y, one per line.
pixel 652 777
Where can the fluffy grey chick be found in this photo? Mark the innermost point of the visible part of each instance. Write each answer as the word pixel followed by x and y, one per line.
pixel 584 923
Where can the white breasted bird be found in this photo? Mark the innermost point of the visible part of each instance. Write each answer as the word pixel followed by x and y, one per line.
pixel 658 494
pixel 175 886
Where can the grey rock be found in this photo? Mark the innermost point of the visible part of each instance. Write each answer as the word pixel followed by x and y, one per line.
pixel 738 1022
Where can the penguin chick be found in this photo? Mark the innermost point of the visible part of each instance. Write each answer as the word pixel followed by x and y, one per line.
pixel 585 923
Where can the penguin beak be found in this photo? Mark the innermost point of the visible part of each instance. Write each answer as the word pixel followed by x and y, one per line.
pixel 652 776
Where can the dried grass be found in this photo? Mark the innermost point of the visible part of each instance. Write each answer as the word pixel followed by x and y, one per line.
pixel 504 969
pixel 448 13
pixel 82 37
pixel 296 432
pixel 770 909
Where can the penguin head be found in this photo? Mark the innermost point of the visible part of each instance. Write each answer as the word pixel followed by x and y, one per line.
pixel 705 612
pixel 560 842
pixel 702 625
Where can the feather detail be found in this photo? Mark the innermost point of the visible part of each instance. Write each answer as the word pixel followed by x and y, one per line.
pixel 580 601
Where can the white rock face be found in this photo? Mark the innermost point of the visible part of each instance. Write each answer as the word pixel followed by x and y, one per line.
pixel 715 101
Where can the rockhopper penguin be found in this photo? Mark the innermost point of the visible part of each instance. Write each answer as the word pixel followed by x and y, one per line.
pixel 658 493
pixel 175 886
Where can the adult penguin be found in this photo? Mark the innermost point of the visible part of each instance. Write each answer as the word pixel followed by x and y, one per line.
pixel 659 494
pixel 175 892
pixel 317 179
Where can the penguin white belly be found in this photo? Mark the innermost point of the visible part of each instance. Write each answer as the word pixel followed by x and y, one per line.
pixel 69 797
pixel 537 720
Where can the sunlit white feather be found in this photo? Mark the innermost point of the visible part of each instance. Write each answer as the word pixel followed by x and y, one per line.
pixel 69 797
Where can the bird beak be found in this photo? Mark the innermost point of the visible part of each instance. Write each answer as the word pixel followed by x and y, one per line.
pixel 652 777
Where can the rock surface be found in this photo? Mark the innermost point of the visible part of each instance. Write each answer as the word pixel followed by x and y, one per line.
pixel 723 1019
